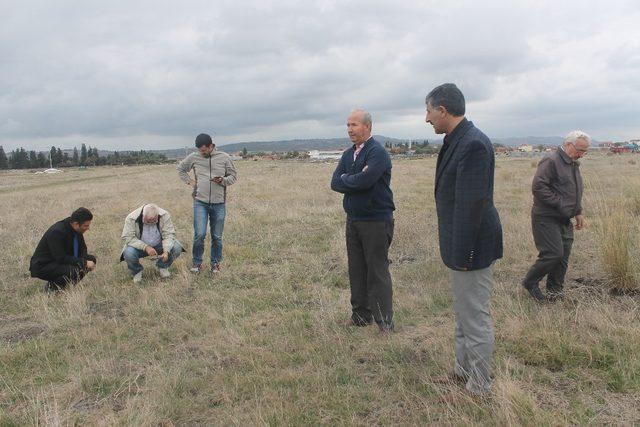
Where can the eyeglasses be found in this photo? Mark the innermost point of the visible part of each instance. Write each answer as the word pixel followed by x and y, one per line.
pixel 582 151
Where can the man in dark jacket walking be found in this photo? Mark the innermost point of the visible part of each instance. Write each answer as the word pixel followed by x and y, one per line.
pixel 469 231
pixel 364 176
pixel 557 197
pixel 61 256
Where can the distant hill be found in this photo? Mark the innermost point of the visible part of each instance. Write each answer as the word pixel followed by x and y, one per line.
pixel 329 144
pixel 531 140
pixel 302 145
pixel 341 143
pixel 298 144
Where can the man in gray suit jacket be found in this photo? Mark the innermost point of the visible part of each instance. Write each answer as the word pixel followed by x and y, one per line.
pixel 469 231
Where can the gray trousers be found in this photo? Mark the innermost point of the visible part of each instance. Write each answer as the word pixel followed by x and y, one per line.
pixel 474 335
pixel 554 239
pixel 371 290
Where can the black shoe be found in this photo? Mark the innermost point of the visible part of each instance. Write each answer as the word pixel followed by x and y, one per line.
pixel 386 328
pixel 536 294
pixel 555 295
pixel 358 321
pixel 51 287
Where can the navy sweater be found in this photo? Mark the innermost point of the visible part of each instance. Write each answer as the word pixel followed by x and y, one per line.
pixel 367 195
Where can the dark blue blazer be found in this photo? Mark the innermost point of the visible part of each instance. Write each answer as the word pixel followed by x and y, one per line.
pixel 469 227
pixel 367 195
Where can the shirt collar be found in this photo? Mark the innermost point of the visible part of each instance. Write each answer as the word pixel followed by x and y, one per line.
pixel 355 147
pixel 456 130
pixel 564 156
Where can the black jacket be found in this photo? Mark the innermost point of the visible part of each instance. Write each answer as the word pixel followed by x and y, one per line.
pixel 56 246
pixel 469 227
pixel 367 195
pixel 557 187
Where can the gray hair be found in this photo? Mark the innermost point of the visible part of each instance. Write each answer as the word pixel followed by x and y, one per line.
pixel 150 211
pixel 366 116
pixel 448 96
pixel 575 135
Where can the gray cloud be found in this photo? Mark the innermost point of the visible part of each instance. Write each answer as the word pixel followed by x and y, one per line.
pixel 144 74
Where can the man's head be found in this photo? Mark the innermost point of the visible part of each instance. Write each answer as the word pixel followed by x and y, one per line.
pixel 150 214
pixel 205 144
pixel 576 144
pixel 80 220
pixel 359 126
pixel 445 108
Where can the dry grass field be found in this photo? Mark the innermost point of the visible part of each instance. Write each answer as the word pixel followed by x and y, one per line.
pixel 264 342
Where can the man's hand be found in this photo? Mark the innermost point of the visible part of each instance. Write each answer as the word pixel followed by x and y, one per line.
pixel 364 169
pixel 165 256
pixel 580 222
pixel 150 251
pixel 217 179
pixel 91 265
pixel 192 184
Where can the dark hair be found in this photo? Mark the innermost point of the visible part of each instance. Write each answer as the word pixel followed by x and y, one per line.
pixel 448 96
pixel 81 215
pixel 203 139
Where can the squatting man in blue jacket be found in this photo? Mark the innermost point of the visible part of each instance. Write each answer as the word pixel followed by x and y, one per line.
pixel 363 176
pixel 470 233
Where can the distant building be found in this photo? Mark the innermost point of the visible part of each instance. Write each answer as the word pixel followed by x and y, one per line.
pixel 325 155
pixel 606 144
pixel 49 171
pixel 621 149
pixel 526 148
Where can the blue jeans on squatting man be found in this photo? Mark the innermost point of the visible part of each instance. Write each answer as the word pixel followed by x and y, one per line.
pixel 215 213
pixel 132 257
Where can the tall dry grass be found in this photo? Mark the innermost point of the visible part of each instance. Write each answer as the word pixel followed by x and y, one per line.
pixel 263 342
pixel 617 229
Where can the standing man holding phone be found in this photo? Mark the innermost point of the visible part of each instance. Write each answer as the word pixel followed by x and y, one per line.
pixel 213 172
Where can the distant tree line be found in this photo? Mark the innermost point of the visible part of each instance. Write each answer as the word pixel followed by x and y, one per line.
pixel 87 156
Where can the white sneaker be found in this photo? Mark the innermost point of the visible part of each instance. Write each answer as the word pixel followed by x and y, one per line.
pixel 137 278
pixel 164 273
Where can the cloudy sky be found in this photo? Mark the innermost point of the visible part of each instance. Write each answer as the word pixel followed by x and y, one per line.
pixel 153 74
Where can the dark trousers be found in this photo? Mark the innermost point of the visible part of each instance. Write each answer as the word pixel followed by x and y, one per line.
pixel 371 291
pixel 59 275
pixel 553 238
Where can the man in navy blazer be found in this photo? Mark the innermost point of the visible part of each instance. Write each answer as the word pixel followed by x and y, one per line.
pixel 469 231
pixel 364 176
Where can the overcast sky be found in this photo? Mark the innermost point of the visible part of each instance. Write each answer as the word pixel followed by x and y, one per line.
pixel 147 74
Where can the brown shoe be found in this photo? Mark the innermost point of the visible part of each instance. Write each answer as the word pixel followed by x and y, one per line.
pixel 458 398
pixel 450 378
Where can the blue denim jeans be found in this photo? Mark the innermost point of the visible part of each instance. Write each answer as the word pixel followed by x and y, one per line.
pixel 132 257
pixel 214 213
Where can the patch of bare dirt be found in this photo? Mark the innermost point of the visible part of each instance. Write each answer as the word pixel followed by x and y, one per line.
pixel 21 334
pixel 106 308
